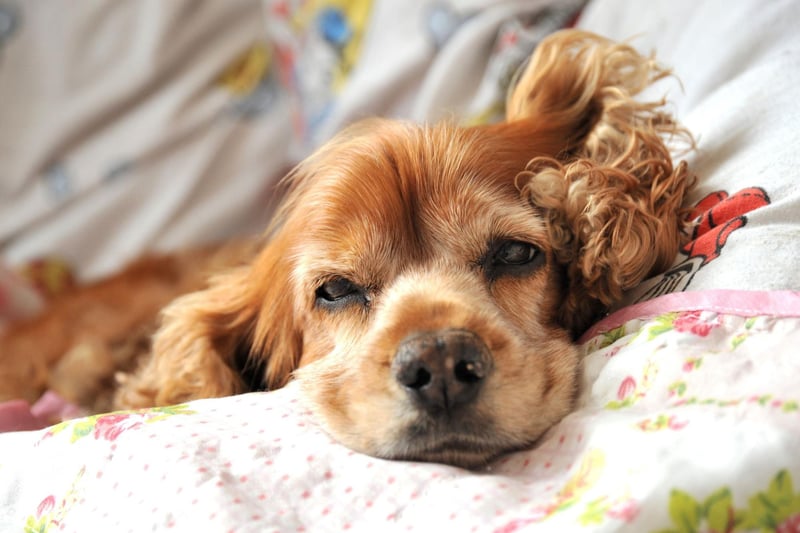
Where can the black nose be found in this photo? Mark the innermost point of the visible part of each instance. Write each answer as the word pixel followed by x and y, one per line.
pixel 442 369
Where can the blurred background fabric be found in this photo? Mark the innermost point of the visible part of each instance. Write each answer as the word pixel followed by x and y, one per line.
pixel 129 126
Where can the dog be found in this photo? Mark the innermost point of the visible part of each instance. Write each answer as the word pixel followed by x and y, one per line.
pixel 426 284
pixel 90 333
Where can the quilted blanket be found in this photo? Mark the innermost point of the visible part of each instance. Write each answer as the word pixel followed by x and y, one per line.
pixel 688 420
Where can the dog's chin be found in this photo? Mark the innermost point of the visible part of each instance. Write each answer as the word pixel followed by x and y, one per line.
pixel 468 454
pixel 461 458
pixel 469 444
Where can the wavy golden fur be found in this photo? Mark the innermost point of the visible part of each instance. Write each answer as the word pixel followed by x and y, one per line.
pixel 425 284
pixel 617 193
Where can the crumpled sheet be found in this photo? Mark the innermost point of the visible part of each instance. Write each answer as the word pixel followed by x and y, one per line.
pixel 688 421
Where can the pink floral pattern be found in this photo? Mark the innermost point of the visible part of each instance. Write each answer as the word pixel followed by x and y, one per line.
pixel 46 506
pixel 110 426
pixel 50 512
pixel 626 388
pixel 694 322
pixel 660 422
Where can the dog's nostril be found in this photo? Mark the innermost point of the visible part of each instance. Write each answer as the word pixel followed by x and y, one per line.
pixel 421 378
pixel 469 371
pixel 412 372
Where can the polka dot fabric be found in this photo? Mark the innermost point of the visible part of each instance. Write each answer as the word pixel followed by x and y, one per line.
pixel 676 409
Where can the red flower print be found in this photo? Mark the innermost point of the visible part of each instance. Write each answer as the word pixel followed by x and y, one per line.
pixel 515 525
pixel 676 424
pixel 109 427
pixel 690 321
pixel 613 351
pixel 790 525
pixel 626 388
pixel 693 363
pixel 625 511
pixel 46 506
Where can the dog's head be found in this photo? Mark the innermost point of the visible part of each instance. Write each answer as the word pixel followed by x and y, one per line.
pixel 426 293
pixel 425 284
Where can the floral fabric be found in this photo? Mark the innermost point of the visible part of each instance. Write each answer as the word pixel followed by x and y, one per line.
pixel 688 421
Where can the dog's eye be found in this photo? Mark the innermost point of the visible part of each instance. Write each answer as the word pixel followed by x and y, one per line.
pixel 338 292
pixel 514 253
pixel 512 258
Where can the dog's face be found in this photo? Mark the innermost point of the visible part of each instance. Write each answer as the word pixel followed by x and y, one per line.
pixel 426 297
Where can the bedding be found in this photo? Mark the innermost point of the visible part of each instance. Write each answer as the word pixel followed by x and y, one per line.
pixel 689 421
pixel 689 417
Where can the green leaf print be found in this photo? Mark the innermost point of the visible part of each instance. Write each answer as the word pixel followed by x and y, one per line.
pixel 162 413
pixel 738 340
pixel 82 428
pixel 777 505
pixel 663 324
pixel 741 337
pixel 684 511
pixel 719 511
pixel 616 404
pixel 789 407
pixel 36 525
pixel 775 510
pixel 678 388
pixel 595 512
pixel 610 337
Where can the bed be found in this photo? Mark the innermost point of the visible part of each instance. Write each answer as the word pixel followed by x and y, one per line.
pixel 689 412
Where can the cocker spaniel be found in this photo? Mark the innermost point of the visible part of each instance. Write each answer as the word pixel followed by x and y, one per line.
pixel 426 284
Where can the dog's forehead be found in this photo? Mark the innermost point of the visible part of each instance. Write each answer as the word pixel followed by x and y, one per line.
pixel 410 197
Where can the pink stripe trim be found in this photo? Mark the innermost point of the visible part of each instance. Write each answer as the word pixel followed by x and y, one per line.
pixel 732 302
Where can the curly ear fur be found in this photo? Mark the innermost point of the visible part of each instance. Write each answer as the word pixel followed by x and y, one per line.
pixel 612 197
pixel 208 339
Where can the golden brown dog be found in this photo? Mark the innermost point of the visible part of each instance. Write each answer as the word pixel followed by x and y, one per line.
pixel 425 284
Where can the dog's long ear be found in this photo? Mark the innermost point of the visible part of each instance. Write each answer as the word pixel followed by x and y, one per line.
pixel 611 194
pixel 213 342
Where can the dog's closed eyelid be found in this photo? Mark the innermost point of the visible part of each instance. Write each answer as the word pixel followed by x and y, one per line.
pixel 338 292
